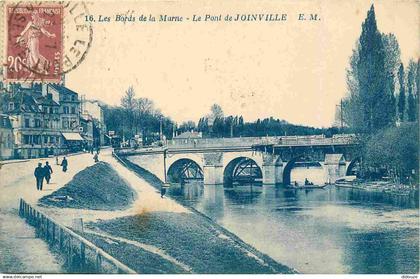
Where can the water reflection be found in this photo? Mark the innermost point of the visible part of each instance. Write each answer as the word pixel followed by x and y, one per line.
pixel 315 231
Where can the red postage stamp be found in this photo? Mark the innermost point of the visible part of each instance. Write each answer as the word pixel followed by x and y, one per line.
pixel 34 45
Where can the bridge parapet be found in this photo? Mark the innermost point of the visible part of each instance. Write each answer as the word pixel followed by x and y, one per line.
pixel 203 143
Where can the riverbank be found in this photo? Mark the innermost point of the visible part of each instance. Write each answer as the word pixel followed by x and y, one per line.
pixel 382 192
pixel 156 235
pixel 97 187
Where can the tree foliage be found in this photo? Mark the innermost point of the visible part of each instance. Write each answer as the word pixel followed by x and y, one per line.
pixel 395 149
pixel 137 116
pixel 401 96
pixel 370 104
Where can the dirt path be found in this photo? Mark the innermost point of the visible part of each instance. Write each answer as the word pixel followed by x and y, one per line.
pixel 20 250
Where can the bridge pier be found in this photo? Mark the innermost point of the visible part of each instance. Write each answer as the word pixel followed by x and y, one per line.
pixel 213 175
pixel 335 166
pixel 272 174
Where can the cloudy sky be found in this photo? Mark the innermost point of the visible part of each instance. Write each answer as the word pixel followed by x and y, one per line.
pixel 290 70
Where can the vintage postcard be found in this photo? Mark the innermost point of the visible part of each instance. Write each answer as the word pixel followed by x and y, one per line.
pixel 209 137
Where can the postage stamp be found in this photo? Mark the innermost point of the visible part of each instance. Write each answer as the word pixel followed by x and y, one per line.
pixel 34 44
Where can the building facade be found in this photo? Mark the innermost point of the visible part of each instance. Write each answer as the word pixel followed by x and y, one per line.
pixel 46 119
pixel 92 111
pixel 6 137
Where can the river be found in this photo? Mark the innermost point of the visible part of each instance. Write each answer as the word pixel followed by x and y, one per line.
pixel 313 231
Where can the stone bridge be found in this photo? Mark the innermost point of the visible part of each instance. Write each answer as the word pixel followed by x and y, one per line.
pixel 269 160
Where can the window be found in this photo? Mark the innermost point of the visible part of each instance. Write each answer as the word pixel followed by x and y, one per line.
pixel 27 123
pixel 65 123
pixel 66 110
pixel 73 110
pixel 37 123
pixel 51 110
pixel 45 139
pixel 11 106
pixel 26 139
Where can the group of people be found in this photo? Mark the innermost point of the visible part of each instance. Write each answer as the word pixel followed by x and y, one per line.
pixel 45 172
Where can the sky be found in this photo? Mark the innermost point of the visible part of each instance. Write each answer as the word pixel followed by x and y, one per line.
pixel 292 70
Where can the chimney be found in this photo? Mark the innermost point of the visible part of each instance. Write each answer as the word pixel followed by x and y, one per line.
pixel 44 89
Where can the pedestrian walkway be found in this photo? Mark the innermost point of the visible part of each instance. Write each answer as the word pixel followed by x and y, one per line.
pixel 20 250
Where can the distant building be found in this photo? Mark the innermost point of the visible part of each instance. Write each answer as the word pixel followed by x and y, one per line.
pixel 186 137
pixel 92 109
pixel 86 130
pixel 6 137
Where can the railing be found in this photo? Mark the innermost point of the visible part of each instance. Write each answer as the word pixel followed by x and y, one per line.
pixel 220 142
pixel 316 141
pixel 252 141
pixel 241 143
pixel 80 254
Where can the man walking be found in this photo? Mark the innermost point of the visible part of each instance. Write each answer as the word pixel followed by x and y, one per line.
pixel 39 175
pixel 64 164
pixel 47 172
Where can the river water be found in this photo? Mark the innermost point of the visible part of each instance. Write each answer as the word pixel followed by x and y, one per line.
pixel 313 231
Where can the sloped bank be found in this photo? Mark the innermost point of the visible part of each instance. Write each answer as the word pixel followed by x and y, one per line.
pixel 97 187
pixel 192 239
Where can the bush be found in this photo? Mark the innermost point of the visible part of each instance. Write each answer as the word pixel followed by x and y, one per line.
pixel 395 149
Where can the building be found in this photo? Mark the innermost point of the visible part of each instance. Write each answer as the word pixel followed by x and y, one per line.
pixel 92 110
pixel 187 137
pixel 6 137
pixel 46 119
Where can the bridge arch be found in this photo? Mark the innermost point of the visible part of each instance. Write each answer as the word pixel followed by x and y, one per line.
pixel 184 170
pixel 242 170
pixel 352 165
pixel 287 170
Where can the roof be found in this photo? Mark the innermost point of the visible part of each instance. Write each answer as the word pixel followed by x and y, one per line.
pixel 333 159
pixel 62 89
pixel 72 136
pixel 43 100
pixel 189 135
pixel 23 102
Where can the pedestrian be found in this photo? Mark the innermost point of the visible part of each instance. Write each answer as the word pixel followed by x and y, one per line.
pixel 162 191
pixel 95 157
pixel 56 160
pixel 39 175
pixel 64 164
pixel 47 172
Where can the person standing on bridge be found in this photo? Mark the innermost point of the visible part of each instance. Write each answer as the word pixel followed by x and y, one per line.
pixel 39 176
pixel 64 164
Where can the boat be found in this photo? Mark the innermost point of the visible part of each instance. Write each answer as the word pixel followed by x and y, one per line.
pixel 306 187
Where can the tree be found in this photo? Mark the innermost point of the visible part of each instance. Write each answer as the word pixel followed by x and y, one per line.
pixel 370 104
pixel 372 79
pixel 411 102
pixel 401 96
pixel 187 126
pixel 215 112
pixel 392 63
pixel 416 97
pixel 128 102
pixel 396 150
